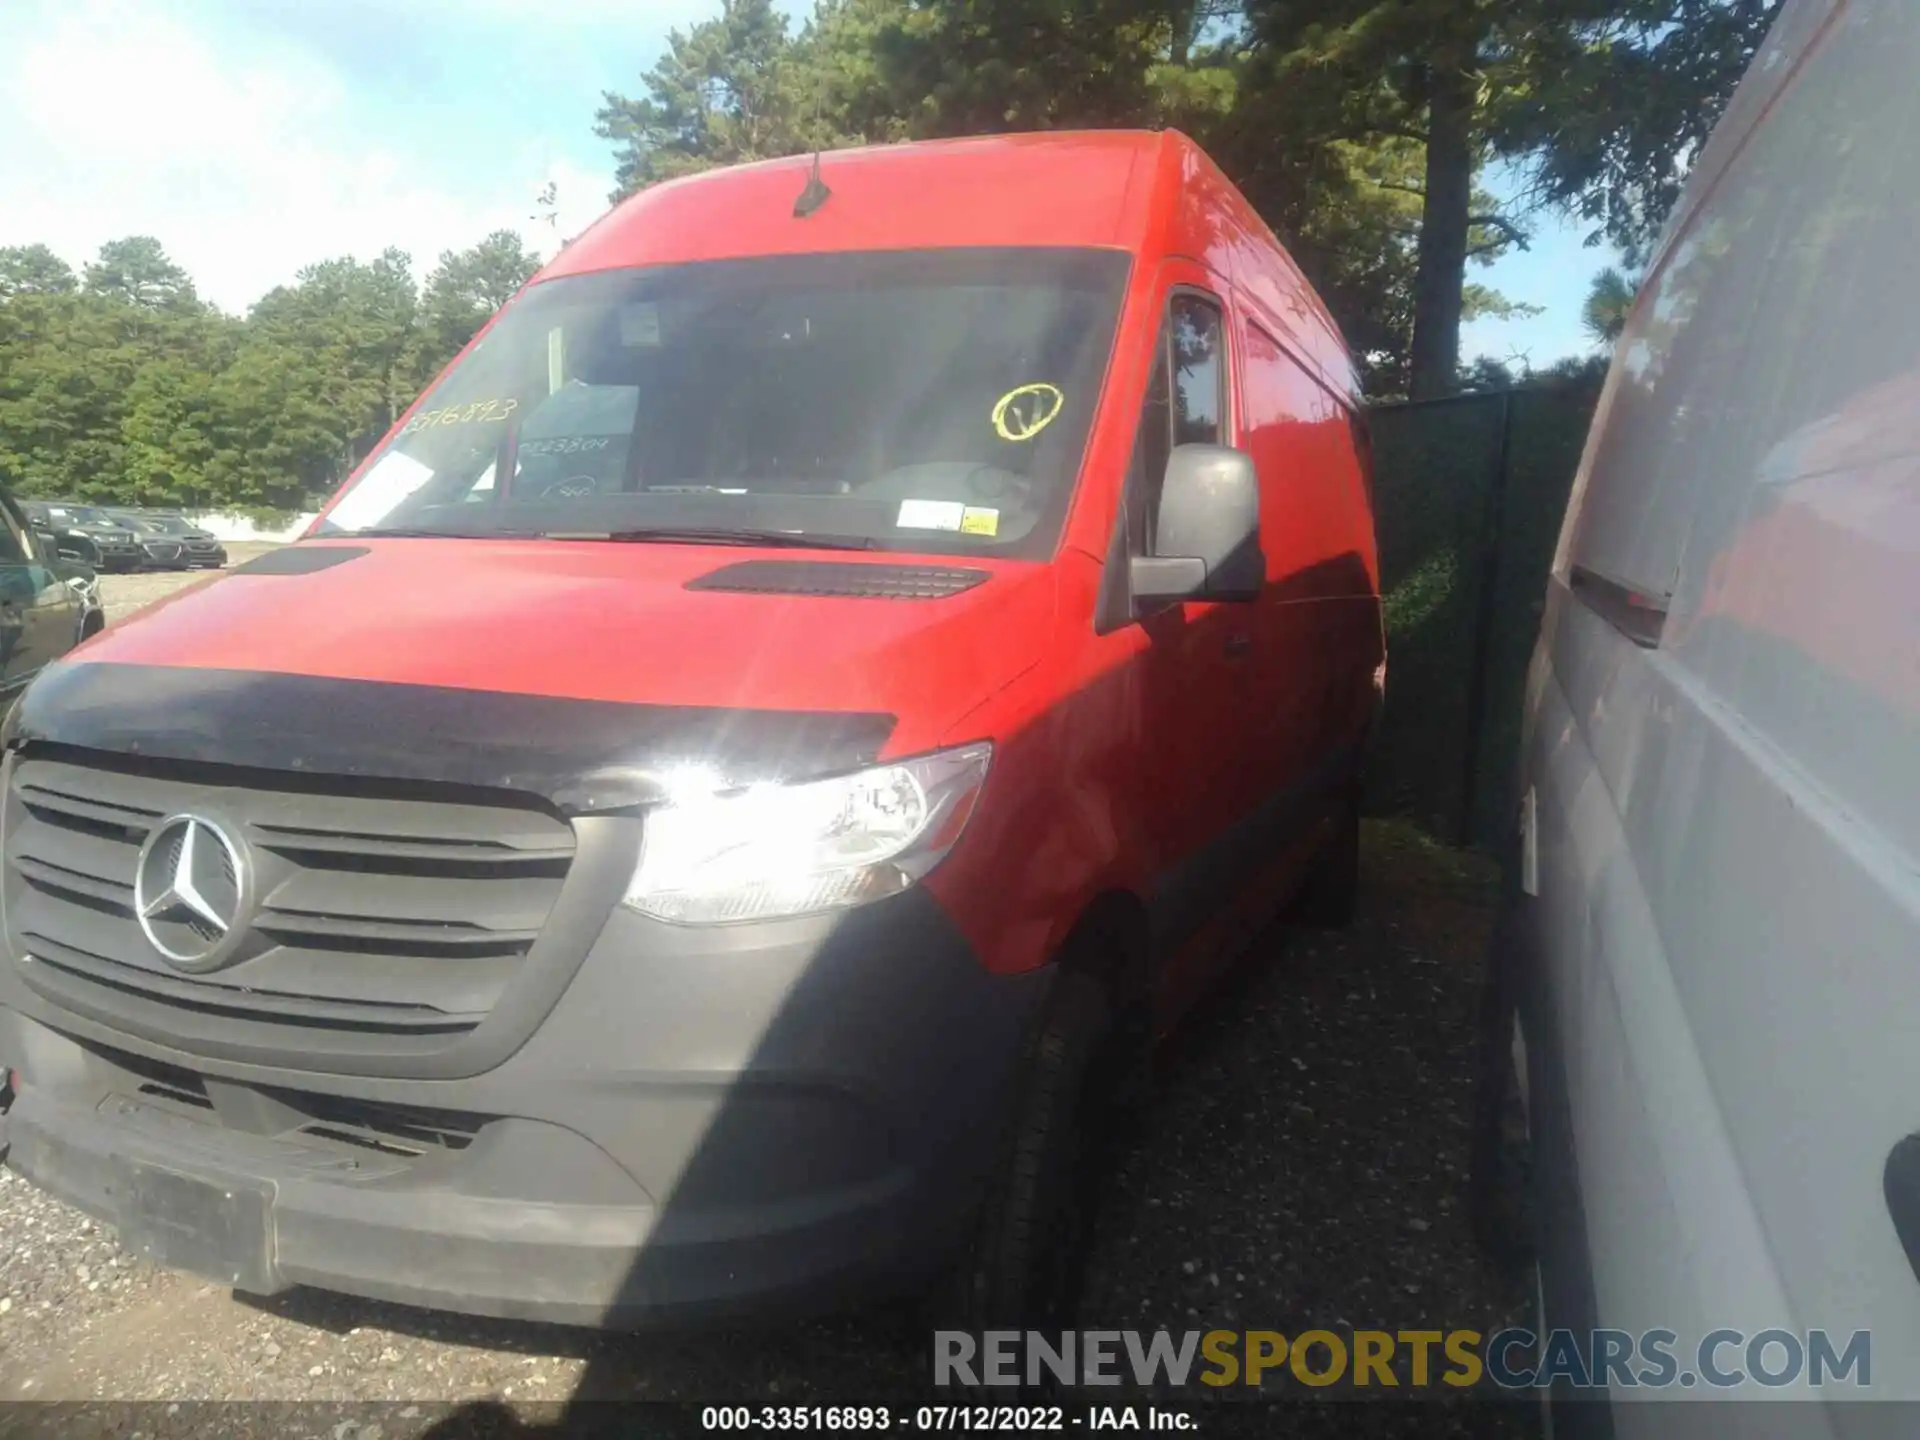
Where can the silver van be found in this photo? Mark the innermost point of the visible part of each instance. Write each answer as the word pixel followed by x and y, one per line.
pixel 1704 1016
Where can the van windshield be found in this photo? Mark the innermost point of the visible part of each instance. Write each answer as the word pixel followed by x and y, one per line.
pixel 935 400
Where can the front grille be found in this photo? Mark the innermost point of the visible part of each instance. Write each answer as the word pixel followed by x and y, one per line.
pixel 163 549
pixel 273 1112
pixel 399 1130
pixel 375 912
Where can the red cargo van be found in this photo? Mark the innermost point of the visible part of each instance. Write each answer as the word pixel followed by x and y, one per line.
pixel 726 795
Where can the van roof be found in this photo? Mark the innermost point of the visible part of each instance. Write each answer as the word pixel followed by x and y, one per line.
pixel 1150 192
pixel 1059 188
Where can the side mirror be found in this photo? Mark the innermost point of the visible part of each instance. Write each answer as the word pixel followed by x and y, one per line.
pixel 1207 538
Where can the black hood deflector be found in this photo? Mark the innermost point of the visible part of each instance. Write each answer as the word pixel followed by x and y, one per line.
pixel 580 756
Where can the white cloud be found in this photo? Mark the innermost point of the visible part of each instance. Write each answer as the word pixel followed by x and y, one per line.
pixel 246 160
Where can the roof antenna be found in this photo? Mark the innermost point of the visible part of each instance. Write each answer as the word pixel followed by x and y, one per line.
pixel 816 194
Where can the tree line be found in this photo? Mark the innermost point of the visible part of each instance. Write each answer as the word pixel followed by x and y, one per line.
pixel 119 384
pixel 1361 129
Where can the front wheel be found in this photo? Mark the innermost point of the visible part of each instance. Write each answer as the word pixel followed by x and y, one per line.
pixel 1500 1182
pixel 1023 1266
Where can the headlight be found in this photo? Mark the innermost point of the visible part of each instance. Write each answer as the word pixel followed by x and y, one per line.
pixel 777 850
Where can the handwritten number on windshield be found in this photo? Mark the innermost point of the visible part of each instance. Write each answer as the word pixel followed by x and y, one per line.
pixel 477 412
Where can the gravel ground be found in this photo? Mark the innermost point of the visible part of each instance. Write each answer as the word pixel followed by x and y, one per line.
pixel 1302 1166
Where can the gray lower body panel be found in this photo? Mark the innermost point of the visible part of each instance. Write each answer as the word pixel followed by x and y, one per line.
pixel 710 1122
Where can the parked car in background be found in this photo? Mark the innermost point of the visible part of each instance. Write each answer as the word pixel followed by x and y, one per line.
pixel 162 551
pixel 964 582
pixel 86 533
pixel 84 582
pixel 1701 1097
pixel 45 603
pixel 198 548
pixel 48 604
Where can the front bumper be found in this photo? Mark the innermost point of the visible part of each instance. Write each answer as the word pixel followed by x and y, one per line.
pixel 118 554
pixel 710 1121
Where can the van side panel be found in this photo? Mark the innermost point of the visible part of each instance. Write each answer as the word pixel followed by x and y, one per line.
pixel 1773 68
pixel 1219 226
pixel 1161 782
pixel 1297 392
pixel 1317 511
pixel 1317 628
pixel 1675 1241
pixel 1730 822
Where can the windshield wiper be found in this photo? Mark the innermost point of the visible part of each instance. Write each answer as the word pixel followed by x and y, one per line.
pixel 780 539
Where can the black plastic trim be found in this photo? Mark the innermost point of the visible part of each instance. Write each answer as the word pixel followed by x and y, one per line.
pixel 815 577
pixel 1900 1183
pixel 1639 617
pixel 298 559
pixel 580 756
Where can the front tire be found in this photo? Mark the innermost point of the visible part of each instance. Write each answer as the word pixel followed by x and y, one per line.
pixel 1024 1264
pixel 1500 1184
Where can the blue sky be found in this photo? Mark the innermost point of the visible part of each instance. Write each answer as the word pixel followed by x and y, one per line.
pixel 1553 273
pixel 254 138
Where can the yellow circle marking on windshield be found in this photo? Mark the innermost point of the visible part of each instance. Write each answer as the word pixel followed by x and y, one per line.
pixel 1024 413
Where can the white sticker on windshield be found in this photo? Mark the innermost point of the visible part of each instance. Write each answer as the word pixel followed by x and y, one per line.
pixel 640 325
pixel 930 515
pixel 380 491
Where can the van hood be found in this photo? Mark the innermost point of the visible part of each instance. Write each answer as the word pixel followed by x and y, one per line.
pixel 583 671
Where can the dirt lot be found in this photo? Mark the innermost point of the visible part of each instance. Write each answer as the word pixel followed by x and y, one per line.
pixel 1302 1166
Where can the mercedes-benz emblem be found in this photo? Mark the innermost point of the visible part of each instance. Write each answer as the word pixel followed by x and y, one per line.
pixel 188 891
